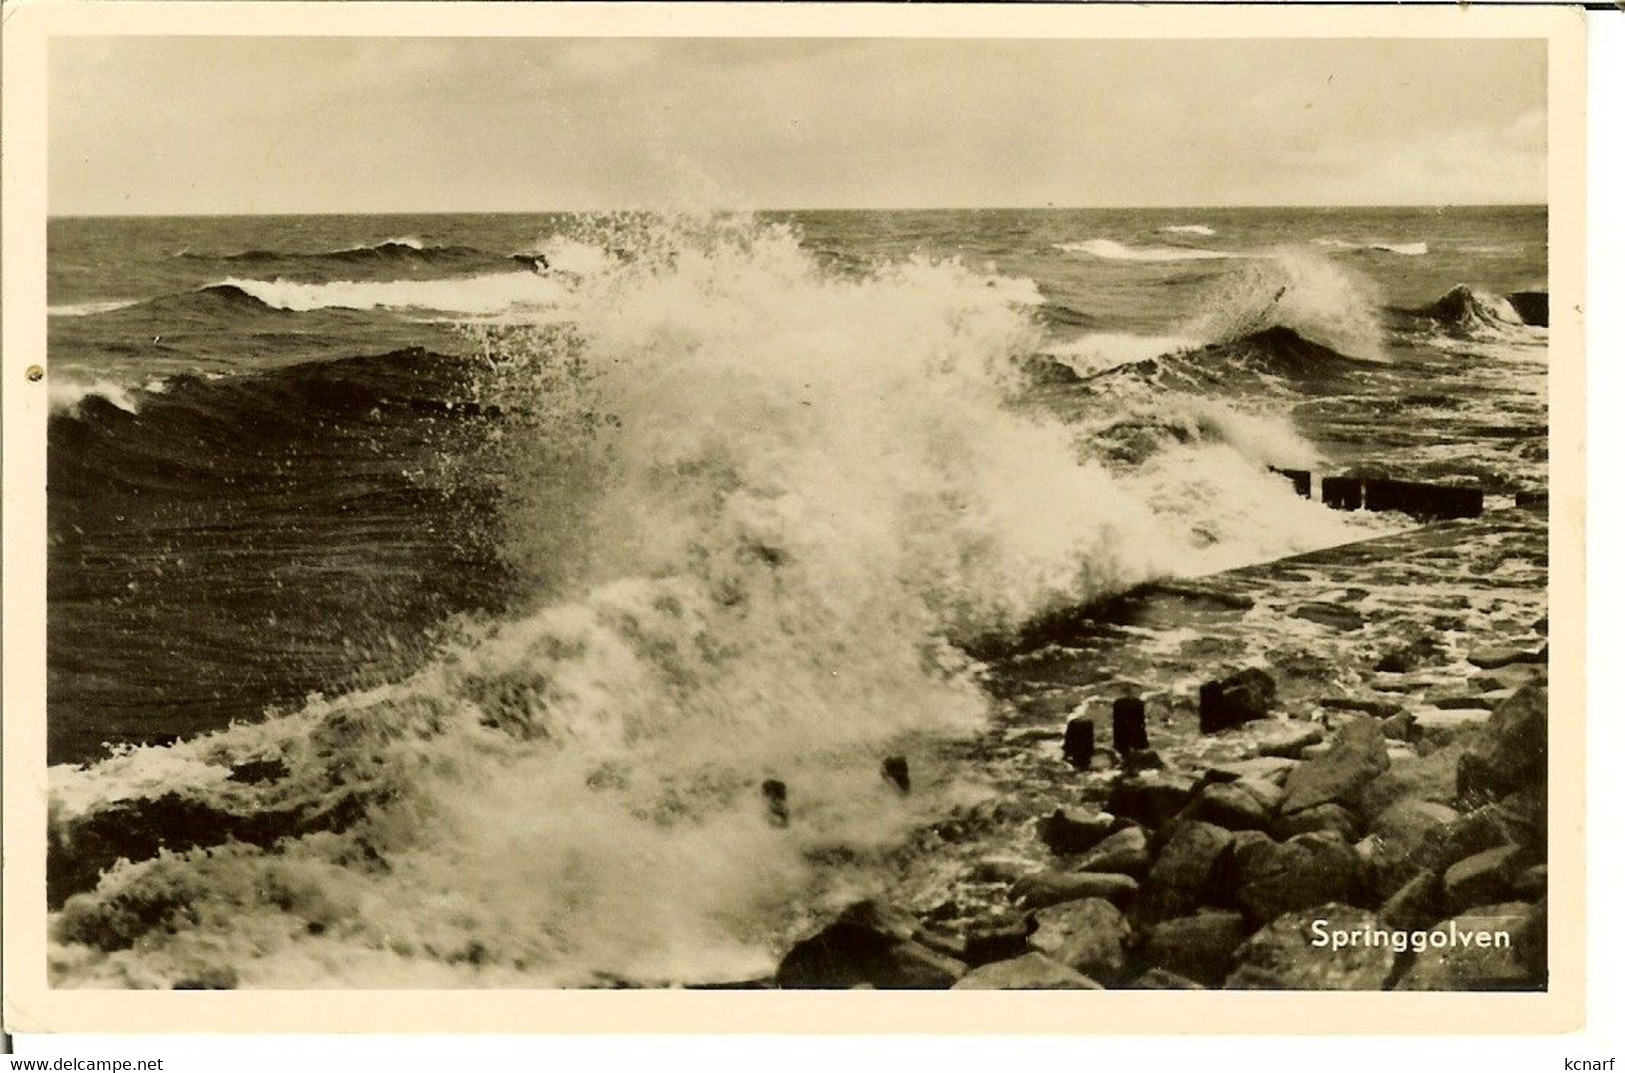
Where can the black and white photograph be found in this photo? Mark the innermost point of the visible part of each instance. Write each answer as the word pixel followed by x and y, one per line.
pixel 745 513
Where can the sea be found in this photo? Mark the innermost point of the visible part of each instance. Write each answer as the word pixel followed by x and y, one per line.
pixel 430 597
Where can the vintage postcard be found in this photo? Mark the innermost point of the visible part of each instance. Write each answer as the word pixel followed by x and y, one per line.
pixel 793 518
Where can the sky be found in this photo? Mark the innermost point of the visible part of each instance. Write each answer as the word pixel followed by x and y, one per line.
pixel 180 125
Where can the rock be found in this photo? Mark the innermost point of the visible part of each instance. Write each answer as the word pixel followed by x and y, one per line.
pixel 209 978
pixel 1424 778
pixel 1152 799
pixel 1482 829
pixel 1126 852
pixel 1399 726
pixel 1230 806
pixel 1380 709
pixel 1529 943
pixel 996 942
pixel 1268 878
pixel 1263 768
pixel 1183 874
pixel 869 943
pixel 1411 656
pixel 1417 904
pixel 1329 819
pixel 1513 676
pixel 1230 702
pixel 894 769
pixel 1079 746
pixel 1461 702
pixel 1530 884
pixel 1029 972
pixel 1066 832
pixel 1483 878
pixel 1334 616
pixel 1128 725
pixel 1504 655
pixel 1295 952
pixel 1358 754
pixel 1509 751
pixel 1267 794
pixel 1052 888
pixel 1163 980
pixel 1000 869
pixel 1137 760
pixel 1474 951
pixel 1399 842
pixel 776 796
pixel 1087 936
pixel 1199 947
pixel 1288 739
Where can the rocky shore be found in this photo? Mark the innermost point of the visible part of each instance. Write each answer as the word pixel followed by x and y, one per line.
pixel 1349 794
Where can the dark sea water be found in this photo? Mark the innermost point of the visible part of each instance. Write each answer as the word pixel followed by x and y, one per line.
pixel 493 590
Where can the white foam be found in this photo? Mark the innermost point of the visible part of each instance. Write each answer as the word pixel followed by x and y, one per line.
pixel 1110 250
pixel 68 395
pixel 1189 229
pixel 485 294
pixel 90 309
pixel 1096 352
pixel 1404 249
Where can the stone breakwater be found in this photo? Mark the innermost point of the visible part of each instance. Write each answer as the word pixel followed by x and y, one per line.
pixel 1383 772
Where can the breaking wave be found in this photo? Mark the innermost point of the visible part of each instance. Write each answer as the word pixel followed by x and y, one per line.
pixel 483 294
pixel 1189 229
pixel 1403 249
pixel 1110 250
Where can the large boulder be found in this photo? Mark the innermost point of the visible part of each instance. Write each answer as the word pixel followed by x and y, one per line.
pixel 1270 878
pixel 1029 972
pixel 1182 877
pixel 1230 805
pixel 1328 818
pixel 1065 831
pixel 1399 843
pixel 1230 702
pixel 1199 947
pixel 1509 751
pixel 1127 853
pixel 1489 827
pixel 1051 888
pixel 1087 936
pixel 1288 739
pixel 1417 904
pixel 869 944
pixel 1358 754
pixel 1425 778
pixel 1494 656
pixel 1484 878
pixel 1315 949
pixel 1152 798
pixel 1475 951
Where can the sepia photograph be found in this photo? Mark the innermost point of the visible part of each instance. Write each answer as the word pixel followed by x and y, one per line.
pixel 782 513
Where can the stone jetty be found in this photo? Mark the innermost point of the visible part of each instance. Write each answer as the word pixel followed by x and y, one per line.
pixel 1358 804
